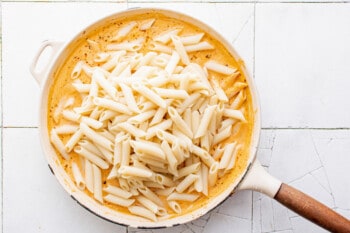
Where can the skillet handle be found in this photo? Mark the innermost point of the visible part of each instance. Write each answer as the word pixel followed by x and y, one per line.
pixel 311 209
pixel 39 74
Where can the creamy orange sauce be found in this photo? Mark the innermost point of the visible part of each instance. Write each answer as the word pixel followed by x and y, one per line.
pixel 62 88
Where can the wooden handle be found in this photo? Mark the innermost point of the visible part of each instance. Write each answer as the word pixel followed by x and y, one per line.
pixel 311 209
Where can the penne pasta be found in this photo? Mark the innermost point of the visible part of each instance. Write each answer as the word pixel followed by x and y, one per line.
pixel 116 191
pixel 175 206
pixel 228 153
pixel 182 197
pixel 143 212
pixel 118 200
pixel 185 183
pixel 91 156
pixel 179 122
pixel 198 47
pixel 180 49
pixel 214 66
pixel 213 174
pixel 204 123
pixel 58 144
pixel 95 137
pixel 191 39
pixel 149 94
pixel 89 176
pixel 73 140
pixel 97 183
pixel 79 180
pixel 124 31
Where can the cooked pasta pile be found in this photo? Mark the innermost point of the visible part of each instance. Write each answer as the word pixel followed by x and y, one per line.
pixel 154 120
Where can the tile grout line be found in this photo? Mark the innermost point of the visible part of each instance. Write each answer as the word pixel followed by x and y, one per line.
pixel 184 1
pixel 2 135
pixel 254 21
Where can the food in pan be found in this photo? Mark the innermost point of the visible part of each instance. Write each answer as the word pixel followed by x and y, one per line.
pixel 151 116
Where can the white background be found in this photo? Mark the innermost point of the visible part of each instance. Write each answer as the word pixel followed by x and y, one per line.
pixel 299 55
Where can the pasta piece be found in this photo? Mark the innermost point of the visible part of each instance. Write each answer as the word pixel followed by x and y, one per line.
pixel 95 137
pixel 112 63
pixel 188 102
pixel 81 88
pixel 93 44
pixel 117 192
pixel 79 180
pixel 97 183
pixel 228 153
pixel 100 79
pixel 218 152
pixel 74 139
pixel 146 24
pixel 58 144
pixel 205 174
pixel 158 116
pixel 164 125
pixel 106 153
pixel 239 100
pixel 66 129
pixel 77 70
pixel 142 117
pixel 129 97
pixel 127 127
pixel 151 195
pixel 125 152
pixel 143 212
pixel 112 105
pixel 171 93
pixel 165 37
pixel 148 148
pixel 174 60
pixel 185 183
pixel 222 135
pixel 222 69
pixel 123 184
pixel 198 47
pixel 89 146
pixel 236 114
pixel 164 180
pixel 134 171
pixel 204 123
pixel 188 170
pixel 118 200
pixel 213 174
pixel 182 197
pixel 165 192
pixel 89 176
pixel 92 122
pixel 180 49
pixel 124 31
pixel 71 116
pixel 221 95
pixel 152 184
pixel 151 206
pixel 102 57
pixel 113 173
pixel 191 39
pixel 203 155
pixel 107 115
pixel 179 122
pixel 91 156
pixel 175 206
pixel 149 94
pixel 170 158
pixel 160 61
pixel 232 161
pixel 131 46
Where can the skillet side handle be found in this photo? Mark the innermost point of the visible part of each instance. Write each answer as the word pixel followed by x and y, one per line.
pixel 258 179
pixel 311 209
pixel 39 75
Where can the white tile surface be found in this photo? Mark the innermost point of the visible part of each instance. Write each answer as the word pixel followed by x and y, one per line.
pixel 302 66
pixel 57 21
pixel 33 195
pixel 302 72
